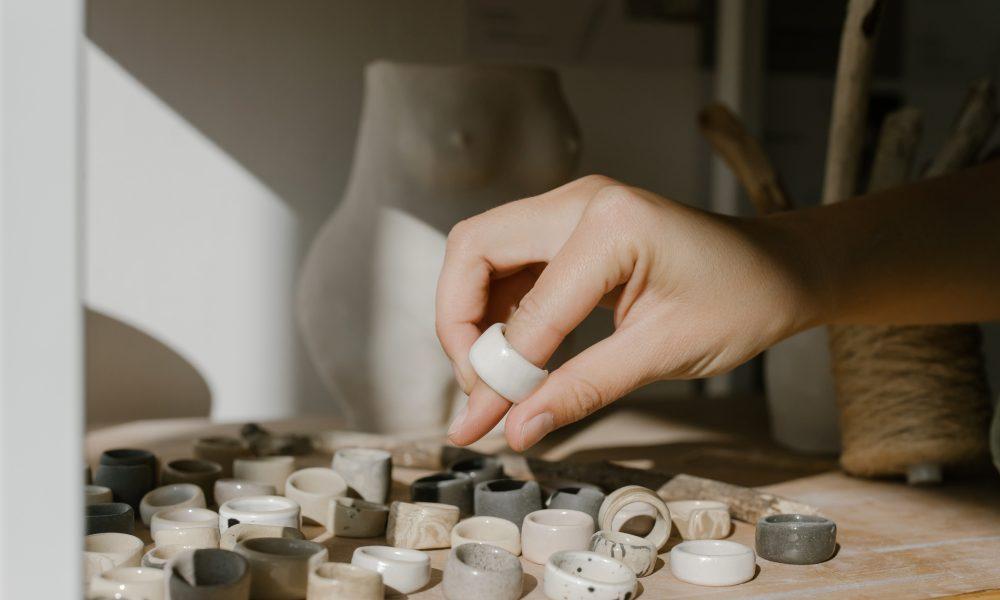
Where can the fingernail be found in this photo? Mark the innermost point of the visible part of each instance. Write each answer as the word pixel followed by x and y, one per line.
pixel 535 429
pixel 460 379
pixel 459 420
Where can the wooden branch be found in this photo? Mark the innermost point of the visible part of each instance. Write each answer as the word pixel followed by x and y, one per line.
pixel 745 504
pixel 970 132
pixel 745 156
pixel 850 99
pixel 896 150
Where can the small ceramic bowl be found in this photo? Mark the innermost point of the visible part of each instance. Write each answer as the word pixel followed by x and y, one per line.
pixel 313 488
pixel 222 450
pixel 403 570
pixel 270 470
pixel 128 582
pixel 353 518
pixel 128 483
pixel 631 494
pixel 248 531
pixel 700 519
pixel 279 567
pixel 712 562
pixel 509 499
pixel 636 552
pixel 266 510
pixel 96 494
pixel 202 473
pixel 796 539
pixel 228 489
pixel 479 468
pixel 420 525
pixel 117 549
pixel 183 518
pixel 159 556
pixel 195 537
pixel 208 574
pixel 367 471
pixel 583 575
pixel 445 488
pixel 107 517
pixel 552 530
pixel 174 495
pixel 586 500
pixel 343 581
pixel 483 572
pixel 487 530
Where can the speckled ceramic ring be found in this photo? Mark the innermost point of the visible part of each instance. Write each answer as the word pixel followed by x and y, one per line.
pixel 313 488
pixel 483 572
pixel 367 471
pixel 487 530
pixel 343 581
pixel 712 562
pixel 266 510
pixel 479 468
pixel 583 575
pixel 636 552
pixel 174 495
pixel 700 519
pixel 509 499
pixel 796 539
pixel 354 518
pixel 502 367
pixel 552 530
pixel 249 531
pixel 402 570
pixel 630 494
pixel 586 500
pixel 279 567
pixel 107 517
pixel 446 488
pixel 420 525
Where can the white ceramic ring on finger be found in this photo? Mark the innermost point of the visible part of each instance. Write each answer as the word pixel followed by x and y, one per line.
pixel 712 562
pixel 584 575
pixel 502 367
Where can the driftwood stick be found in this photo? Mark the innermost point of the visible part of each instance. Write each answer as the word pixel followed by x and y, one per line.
pixel 850 99
pixel 971 131
pixel 896 149
pixel 745 504
pixel 745 156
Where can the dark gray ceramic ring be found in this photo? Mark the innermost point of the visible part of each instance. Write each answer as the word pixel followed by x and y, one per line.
pixel 128 483
pixel 110 517
pixel 796 539
pixel 131 457
pixel 445 488
pixel 202 473
pixel 509 499
pixel 586 500
pixel 479 468
pixel 209 574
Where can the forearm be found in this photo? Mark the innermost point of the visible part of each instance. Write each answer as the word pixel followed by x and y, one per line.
pixel 923 253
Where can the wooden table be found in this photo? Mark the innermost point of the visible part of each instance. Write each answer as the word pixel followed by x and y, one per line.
pixel 895 541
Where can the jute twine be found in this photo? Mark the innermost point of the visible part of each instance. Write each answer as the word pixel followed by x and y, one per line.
pixel 909 395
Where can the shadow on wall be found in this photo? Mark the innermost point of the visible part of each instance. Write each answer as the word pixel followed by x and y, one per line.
pixel 131 375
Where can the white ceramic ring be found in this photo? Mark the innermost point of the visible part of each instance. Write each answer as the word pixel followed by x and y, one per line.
pixel 584 575
pixel 712 562
pixel 186 517
pixel 313 488
pixel 502 367
pixel 487 530
pixel 700 519
pixel 265 510
pixel 174 495
pixel 128 582
pixel 550 530
pixel 402 569
pixel 630 494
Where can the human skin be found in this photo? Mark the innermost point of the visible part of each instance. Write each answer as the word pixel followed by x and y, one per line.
pixel 695 294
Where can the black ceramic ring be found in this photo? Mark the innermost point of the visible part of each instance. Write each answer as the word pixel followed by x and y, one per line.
pixel 479 468
pixel 128 483
pixel 446 488
pixel 209 574
pixel 110 517
pixel 796 539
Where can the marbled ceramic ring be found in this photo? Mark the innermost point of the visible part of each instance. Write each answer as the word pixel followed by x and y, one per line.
pixel 270 470
pixel 313 488
pixel 586 500
pixel 222 450
pixel 266 510
pixel 128 582
pixel 248 531
pixel 279 567
pixel 712 562
pixel 185 517
pixel 106 517
pixel 420 525
pixel 228 489
pixel 202 473
pixel 403 570
pixel 584 575
pixel 367 471
pixel 502 367
pixel 354 518
pixel 174 495
pixel 159 556
pixel 487 530
pixel 208 574
pixel 344 581
pixel 700 519
pixel 510 499
pixel 796 539
pixel 631 494
pixel 483 572
pixel 552 530
pixel 479 468
pixel 96 494
pixel 445 488
pixel 636 552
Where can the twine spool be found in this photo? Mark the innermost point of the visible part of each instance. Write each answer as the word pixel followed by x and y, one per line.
pixel 909 396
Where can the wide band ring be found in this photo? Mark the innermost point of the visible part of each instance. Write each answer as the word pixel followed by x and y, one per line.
pixel 502 367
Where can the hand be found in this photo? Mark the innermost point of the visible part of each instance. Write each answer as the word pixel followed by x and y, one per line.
pixel 694 294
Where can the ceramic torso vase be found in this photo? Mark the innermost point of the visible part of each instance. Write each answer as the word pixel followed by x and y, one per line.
pixel 436 144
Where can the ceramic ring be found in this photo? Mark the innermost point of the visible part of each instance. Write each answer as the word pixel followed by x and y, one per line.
pixel 420 525
pixel 248 531
pixel 222 450
pixel 712 562
pixel 796 539
pixel 367 471
pixel 208 574
pixel 159 556
pixel 279 567
pixel 202 473
pixel 636 552
pixel 700 519
pixel 313 488
pixel 487 530
pixel 106 517
pixel 228 489
pixel 630 494
pixel 479 468
pixel 483 572
pixel 584 575
pixel 128 582
pixel 128 482
pixel 403 570
pixel 266 510
pixel 509 499
pixel 174 495
pixel 502 367
pixel 586 500
pixel 195 537
pixel 445 488
pixel 344 581
pixel 187 517
pixel 552 530
pixel 269 470
pixel 354 518
pixel 104 551
pixel 96 494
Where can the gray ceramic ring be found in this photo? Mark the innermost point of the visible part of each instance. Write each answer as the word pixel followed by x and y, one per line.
pixel 796 539
pixel 208 574
pixel 110 517
pixel 482 571
pixel 279 567
pixel 444 488
pixel 509 499
pixel 221 449
pixel 202 473
pixel 128 483
pixel 479 468
pixel 586 500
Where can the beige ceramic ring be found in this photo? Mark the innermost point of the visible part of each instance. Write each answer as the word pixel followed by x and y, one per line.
pixel 195 537
pixel 712 562
pixel 128 582
pixel 159 556
pixel 630 494
pixel 502 367
pixel 313 488
pixel 104 551
pixel 420 525
pixel 550 530
pixel 344 581
pixel 487 530
pixel 271 470
pixel 96 494
pixel 700 519
pixel 175 495
pixel 188 517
